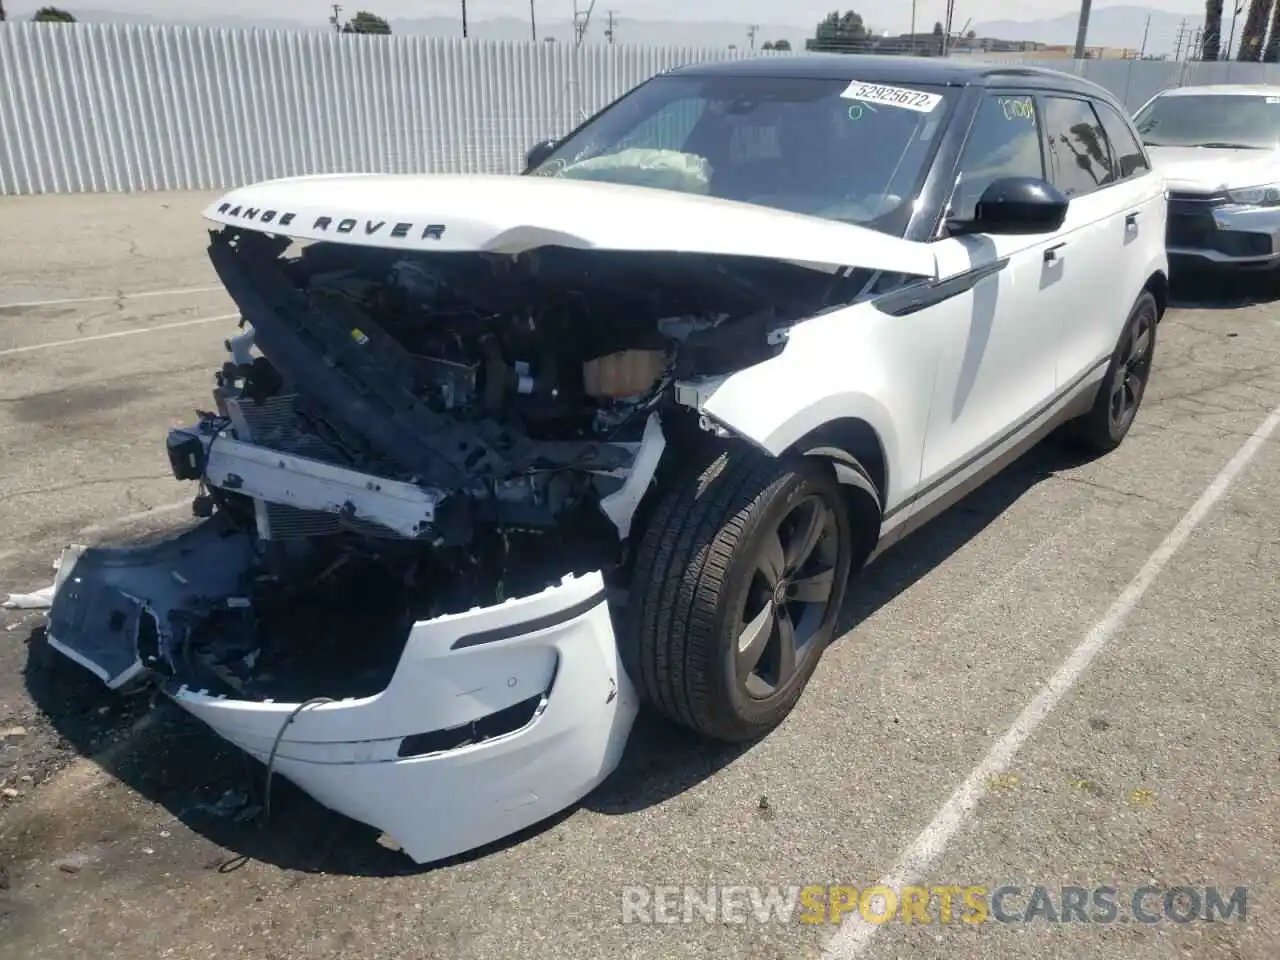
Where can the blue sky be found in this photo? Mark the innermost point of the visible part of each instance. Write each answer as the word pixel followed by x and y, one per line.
pixel 891 14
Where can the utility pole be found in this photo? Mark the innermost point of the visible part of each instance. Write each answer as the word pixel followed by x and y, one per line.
pixel 581 20
pixel 608 33
pixel 1082 32
pixel 1177 51
pixel 946 28
pixel 464 19
pixel 1195 44
pixel 336 19
pixel 751 34
pixel 1145 30
pixel 1226 54
pixel 913 26
pixel 533 23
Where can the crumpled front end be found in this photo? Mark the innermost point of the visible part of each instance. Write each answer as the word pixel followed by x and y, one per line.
pixel 422 470
pixel 493 719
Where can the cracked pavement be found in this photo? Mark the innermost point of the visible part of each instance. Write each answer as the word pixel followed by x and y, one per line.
pixel 1162 765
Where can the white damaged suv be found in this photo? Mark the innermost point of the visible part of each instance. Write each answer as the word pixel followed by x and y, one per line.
pixel 495 459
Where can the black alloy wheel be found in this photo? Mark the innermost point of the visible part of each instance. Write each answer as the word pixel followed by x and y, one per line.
pixel 788 599
pixel 1130 379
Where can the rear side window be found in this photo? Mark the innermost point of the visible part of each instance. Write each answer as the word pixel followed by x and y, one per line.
pixel 1079 153
pixel 1130 159
pixel 1003 142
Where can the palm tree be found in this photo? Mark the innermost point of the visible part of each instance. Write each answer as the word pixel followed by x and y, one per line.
pixel 52 15
pixel 1271 54
pixel 1211 49
pixel 1255 30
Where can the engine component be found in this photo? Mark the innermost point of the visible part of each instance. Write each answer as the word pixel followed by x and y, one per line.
pixel 186 456
pixel 627 373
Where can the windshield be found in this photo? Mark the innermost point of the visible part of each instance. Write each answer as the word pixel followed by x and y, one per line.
pixel 794 144
pixel 1211 120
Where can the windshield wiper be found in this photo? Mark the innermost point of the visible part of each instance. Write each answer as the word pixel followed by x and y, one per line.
pixel 1224 145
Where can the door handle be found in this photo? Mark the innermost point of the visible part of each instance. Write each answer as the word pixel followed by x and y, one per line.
pixel 1131 220
pixel 1051 254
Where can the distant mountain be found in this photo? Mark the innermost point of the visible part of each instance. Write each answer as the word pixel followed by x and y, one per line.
pixel 1108 27
pixel 627 31
pixel 1119 26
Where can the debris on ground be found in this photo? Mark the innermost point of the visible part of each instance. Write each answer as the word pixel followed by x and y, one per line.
pixel 73 863
pixel 9 793
pixel 40 600
pixel 233 805
pixel 13 733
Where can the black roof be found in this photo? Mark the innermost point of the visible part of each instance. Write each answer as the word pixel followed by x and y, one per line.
pixel 937 71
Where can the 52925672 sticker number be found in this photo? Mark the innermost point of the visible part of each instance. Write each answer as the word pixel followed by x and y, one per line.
pixel 892 96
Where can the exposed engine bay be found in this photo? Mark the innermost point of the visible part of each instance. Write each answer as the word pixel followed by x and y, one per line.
pixel 400 435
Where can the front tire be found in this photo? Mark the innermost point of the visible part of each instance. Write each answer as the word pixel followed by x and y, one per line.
pixel 1120 394
pixel 738 583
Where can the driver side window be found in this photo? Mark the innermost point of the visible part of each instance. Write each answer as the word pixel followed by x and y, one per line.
pixel 1004 142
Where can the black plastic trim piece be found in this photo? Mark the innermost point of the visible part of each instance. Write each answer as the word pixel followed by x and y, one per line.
pixel 915 297
pixel 508 631
pixel 507 720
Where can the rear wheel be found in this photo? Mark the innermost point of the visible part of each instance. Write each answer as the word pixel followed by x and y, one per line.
pixel 1120 395
pixel 738 583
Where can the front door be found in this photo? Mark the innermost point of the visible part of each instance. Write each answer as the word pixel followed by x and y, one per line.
pixel 997 342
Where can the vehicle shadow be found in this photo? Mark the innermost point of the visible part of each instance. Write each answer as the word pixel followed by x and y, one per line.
pixel 1199 289
pixel 663 760
pixel 218 792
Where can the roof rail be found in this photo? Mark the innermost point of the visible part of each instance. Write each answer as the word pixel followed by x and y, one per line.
pixel 1014 70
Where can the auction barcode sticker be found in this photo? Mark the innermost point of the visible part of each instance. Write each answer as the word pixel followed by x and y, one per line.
pixel 892 96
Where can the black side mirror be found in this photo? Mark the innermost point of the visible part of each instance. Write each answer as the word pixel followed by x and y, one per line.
pixel 1016 205
pixel 537 153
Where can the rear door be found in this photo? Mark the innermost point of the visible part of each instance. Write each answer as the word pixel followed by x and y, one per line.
pixel 1110 220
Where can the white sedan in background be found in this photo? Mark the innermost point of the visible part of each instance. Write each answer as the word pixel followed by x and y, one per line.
pixel 1217 149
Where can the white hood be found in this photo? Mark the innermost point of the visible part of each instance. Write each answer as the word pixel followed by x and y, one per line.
pixel 512 214
pixel 1212 170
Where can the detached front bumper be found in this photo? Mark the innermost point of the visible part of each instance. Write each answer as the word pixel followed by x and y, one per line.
pixel 494 719
pixel 1216 233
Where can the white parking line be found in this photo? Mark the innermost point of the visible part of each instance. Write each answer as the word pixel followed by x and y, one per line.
pixel 104 298
pixel 112 336
pixel 855 934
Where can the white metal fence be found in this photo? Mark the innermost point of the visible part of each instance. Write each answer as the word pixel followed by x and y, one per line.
pixel 113 107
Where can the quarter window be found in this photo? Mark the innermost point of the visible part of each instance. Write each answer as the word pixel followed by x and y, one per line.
pixel 1079 154
pixel 1003 142
pixel 1128 151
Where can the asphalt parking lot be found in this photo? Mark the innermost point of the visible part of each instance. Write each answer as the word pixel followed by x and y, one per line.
pixel 1158 767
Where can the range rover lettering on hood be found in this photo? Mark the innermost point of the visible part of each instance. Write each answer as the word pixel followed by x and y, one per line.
pixel 515 214
pixel 398 229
